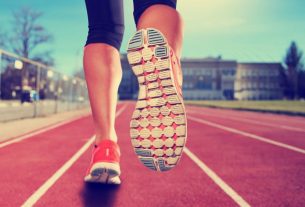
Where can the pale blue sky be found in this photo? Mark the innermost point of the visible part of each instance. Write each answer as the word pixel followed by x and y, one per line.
pixel 256 30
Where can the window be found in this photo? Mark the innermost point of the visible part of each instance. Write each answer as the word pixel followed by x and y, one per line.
pixel 228 72
pixel 185 85
pixel 205 84
pixel 233 72
pixel 261 73
pixel 261 85
pixel 247 73
pixel 275 72
pixel 250 85
pixel 207 72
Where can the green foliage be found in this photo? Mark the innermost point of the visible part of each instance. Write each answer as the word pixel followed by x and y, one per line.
pixel 294 78
pixel 293 57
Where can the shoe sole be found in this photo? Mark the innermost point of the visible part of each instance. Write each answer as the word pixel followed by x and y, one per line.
pixel 104 172
pixel 158 127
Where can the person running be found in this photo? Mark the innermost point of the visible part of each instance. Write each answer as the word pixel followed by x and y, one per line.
pixel 158 127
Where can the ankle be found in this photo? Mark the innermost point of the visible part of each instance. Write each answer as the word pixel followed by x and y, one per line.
pixel 176 67
pixel 99 138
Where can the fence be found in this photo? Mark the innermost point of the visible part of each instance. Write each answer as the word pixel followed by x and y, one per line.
pixel 31 89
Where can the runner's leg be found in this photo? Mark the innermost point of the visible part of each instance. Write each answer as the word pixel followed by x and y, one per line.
pixel 162 15
pixel 102 65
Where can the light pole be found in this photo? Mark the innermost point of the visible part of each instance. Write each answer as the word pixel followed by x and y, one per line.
pixel 38 74
pixel 0 73
pixel 70 103
pixel 58 92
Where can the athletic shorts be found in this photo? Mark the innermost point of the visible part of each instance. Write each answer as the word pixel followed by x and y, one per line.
pixel 106 19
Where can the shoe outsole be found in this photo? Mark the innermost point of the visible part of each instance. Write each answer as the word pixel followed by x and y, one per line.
pixel 158 127
pixel 103 172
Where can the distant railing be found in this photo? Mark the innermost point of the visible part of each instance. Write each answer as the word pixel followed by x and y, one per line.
pixel 30 89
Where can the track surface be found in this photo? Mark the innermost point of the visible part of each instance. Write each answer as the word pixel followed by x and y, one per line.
pixel 233 158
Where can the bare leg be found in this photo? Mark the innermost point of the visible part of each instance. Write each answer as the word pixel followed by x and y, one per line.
pixel 103 74
pixel 168 21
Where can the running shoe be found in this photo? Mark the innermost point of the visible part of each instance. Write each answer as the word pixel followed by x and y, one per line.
pixel 158 127
pixel 104 166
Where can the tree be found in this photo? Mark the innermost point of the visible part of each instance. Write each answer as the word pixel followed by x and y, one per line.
pixel 2 40
pixel 301 82
pixel 293 61
pixel 27 34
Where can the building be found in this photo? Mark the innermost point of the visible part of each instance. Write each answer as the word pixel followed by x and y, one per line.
pixel 129 86
pixel 258 81
pixel 209 78
pixel 218 79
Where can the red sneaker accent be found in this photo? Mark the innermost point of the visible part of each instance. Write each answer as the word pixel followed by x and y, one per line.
pixel 104 163
pixel 106 151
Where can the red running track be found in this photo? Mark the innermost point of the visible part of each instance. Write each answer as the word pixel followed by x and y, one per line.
pixel 223 166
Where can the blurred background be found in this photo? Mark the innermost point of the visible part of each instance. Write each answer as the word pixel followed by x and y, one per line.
pixel 236 54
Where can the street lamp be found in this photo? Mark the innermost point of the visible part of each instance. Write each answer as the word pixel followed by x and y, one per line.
pixel 65 78
pixel 50 73
pixel 18 64
pixel 0 73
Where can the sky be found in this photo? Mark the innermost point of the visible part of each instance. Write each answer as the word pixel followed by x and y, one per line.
pixel 243 30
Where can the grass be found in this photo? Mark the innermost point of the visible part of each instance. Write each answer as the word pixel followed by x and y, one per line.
pixel 271 106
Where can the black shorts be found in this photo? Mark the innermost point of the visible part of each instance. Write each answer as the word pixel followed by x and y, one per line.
pixel 106 19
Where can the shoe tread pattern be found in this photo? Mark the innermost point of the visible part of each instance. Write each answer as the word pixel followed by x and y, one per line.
pixel 158 126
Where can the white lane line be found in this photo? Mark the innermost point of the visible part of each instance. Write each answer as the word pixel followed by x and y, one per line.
pixel 251 121
pixel 50 182
pixel 249 135
pixel 39 131
pixel 264 116
pixel 224 186
pixel 43 189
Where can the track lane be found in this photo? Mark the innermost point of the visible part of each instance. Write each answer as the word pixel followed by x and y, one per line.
pixel 58 174
pixel 264 175
pixel 251 121
pixel 279 119
pixel 186 185
pixel 293 138
pixel 25 165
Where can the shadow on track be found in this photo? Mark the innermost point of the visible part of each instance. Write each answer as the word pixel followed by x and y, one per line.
pixel 97 195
